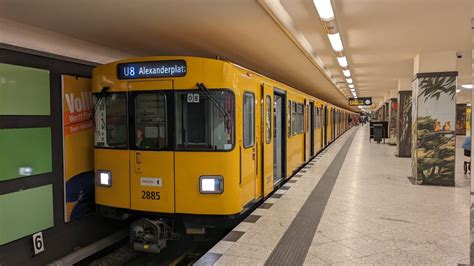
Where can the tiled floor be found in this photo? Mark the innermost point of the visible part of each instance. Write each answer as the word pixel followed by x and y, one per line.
pixel 374 214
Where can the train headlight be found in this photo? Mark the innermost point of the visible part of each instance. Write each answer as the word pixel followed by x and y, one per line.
pixel 211 184
pixel 103 178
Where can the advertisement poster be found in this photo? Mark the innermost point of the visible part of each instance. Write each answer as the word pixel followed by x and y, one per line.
pixel 78 141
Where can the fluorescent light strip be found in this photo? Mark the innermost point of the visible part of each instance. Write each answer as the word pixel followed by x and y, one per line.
pixel 349 80
pixel 336 43
pixel 467 86
pixel 351 86
pixel 324 9
pixel 346 72
pixel 342 61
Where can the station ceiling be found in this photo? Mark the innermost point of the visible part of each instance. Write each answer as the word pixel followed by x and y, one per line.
pixel 381 37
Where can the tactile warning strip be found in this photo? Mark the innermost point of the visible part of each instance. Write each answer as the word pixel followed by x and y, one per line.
pixel 293 246
pixel 253 245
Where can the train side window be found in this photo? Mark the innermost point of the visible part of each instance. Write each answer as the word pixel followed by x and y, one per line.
pixel 300 118
pixel 249 119
pixel 268 119
pixel 308 118
pixel 294 119
pixel 150 121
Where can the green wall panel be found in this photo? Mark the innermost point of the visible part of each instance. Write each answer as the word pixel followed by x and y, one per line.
pixel 24 147
pixel 24 90
pixel 25 212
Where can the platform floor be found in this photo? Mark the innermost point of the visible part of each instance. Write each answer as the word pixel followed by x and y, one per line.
pixel 354 205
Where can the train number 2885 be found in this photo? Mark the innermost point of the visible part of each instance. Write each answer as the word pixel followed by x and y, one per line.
pixel 150 195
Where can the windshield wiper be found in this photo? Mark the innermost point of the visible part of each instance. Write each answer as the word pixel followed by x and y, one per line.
pixel 101 96
pixel 213 100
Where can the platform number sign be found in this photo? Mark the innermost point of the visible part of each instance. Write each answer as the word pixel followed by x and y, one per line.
pixel 192 97
pixel 38 243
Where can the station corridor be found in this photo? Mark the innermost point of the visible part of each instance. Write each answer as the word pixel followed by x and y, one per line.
pixel 187 135
pixel 374 215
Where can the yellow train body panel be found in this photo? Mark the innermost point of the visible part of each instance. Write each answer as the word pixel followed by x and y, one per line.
pixel 169 180
pixel 117 161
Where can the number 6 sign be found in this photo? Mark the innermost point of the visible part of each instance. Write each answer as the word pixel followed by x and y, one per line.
pixel 38 244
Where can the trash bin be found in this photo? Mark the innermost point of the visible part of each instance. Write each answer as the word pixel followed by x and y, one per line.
pixel 378 132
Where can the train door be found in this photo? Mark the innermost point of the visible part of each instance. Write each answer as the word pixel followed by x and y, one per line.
pixel 333 124
pixel 311 128
pixel 248 148
pixel 306 141
pixel 151 158
pixel 279 137
pixel 325 131
pixel 267 140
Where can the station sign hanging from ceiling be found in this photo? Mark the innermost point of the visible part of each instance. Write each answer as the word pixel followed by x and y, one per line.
pixel 154 69
pixel 360 101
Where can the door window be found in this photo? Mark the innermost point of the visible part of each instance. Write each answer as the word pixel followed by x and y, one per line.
pixel 249 119
pixel 268 119
pixel 150 121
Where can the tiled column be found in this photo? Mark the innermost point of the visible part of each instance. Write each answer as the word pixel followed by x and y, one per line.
pixel 392 121
pixel 434 117
pixel 404 124
pixel 461 119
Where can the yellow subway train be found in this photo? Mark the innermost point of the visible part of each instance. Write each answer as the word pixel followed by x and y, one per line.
pixel 198 141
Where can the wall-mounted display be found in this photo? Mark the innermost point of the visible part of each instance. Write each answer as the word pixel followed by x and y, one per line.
pixel 24 90
pixel 24 152
pixel 25 212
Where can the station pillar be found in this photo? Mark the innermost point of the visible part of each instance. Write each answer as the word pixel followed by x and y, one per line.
pixel 404 122
pixel 392 117
pixel 433 118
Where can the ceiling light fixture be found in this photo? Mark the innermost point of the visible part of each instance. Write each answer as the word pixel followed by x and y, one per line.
pixel 346 72
pixel 458 90
pixel 349 80
pixel 467 86
pixel 342 61
pixel 324 9
pixel 336 43
pixel 351 86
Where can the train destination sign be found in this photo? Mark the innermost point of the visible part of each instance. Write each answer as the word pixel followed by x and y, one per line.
pixel 154 69
pixel 361 101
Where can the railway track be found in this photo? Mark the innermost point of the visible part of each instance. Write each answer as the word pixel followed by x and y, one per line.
pixel 180 252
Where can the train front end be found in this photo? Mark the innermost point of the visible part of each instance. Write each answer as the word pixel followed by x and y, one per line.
pixel 165 135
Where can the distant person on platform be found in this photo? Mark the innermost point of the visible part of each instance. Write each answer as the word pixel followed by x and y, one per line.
pixel 467 146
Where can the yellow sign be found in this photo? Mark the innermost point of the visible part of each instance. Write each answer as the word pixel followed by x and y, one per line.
pixel 78 153
pixel 360 101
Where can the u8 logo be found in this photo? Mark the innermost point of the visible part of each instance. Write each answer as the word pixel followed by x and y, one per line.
pixel 129 71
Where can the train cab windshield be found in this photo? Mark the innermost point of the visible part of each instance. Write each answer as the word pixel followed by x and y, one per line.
pixel 111 120
pixel 203 120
